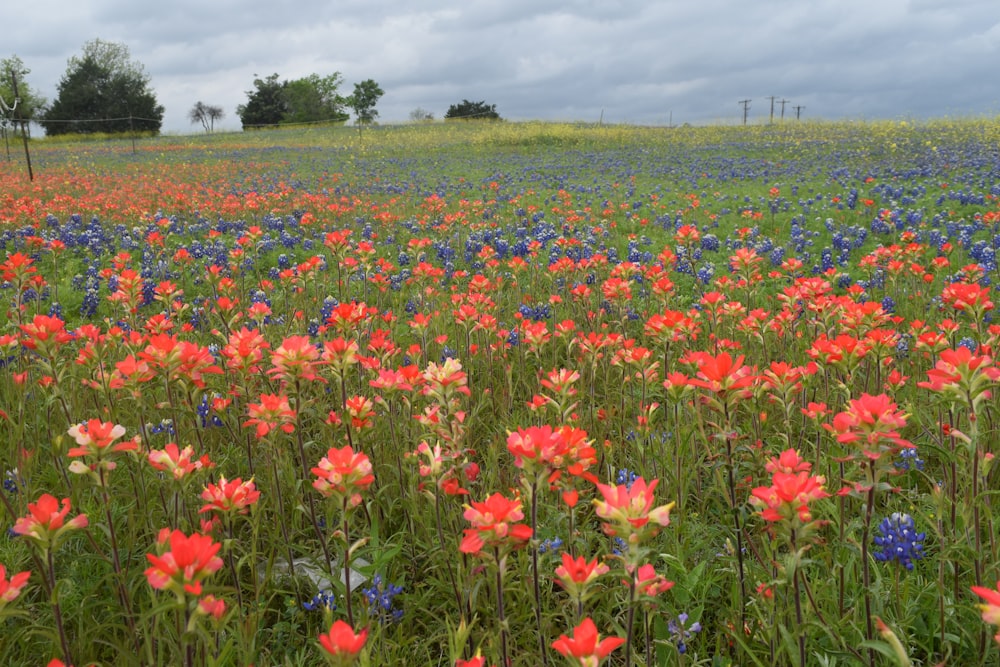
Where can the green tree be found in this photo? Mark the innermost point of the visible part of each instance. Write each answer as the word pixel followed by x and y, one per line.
pixel 467 110
pixel 363 101
pixel 103 90
pixel 27 104
pixel 315 99
pixel 266 104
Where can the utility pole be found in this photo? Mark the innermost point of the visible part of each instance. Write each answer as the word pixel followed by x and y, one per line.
pixel 783 103
pixel 772 98
pixel 746 108
pixel 24 125
pixel 798 111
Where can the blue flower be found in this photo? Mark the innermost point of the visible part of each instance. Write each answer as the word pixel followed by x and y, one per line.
pixel 625 477
pixel 899 540
pixel 381 598
pixel 909 459
pixel 551 544
pixel 681 632
pixel 322 600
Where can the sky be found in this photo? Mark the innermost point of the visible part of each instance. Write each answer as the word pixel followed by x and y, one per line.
pixel 640 62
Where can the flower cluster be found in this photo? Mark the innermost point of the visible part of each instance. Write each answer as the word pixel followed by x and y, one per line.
pixel 381 600
pixel 898 540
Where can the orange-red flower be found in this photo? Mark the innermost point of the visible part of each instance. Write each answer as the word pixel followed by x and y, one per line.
pixel 873 421
pixel 234 496
pixel 273 411
pixel 95 440
pixel 990 610
pixel 792 489
pixel 962 377
pixel 576 574
pixel 649 583
pixel 341 645
pixel 495 524
pixel 177 462
pixel 44 335
pixel 183 562
pixel 628 510
pixel 343 474
pixel 46 522
pixel 297 358
pixel 11 589
pixel 585 647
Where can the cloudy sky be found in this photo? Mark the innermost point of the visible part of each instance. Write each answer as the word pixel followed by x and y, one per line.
pixel 628 61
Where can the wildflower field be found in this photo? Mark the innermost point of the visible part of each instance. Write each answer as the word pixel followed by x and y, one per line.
pixel 503 394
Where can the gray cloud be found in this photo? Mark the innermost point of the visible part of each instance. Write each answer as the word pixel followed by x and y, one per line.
pixel 636 61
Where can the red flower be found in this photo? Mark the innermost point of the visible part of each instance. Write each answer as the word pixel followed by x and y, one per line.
pixel 576 574
pixel 46 522
pixel 177 462
pixel 990 610
pixel 229 496
pixel 628 510
pixel 44 335
pixel 182 567
pixel 874 421
pixel 723 376
pixel 10 590
pixel 244 350
pixel 962 377
pixel 343 474
pixel 792 489
pixel 272 412
pixel 648 583
pixel 494 523
pixel 95 439
pixel 297 358
pixel 586 647
pixel 341 645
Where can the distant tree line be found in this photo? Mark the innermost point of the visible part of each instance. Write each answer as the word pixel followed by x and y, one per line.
pixel 104 90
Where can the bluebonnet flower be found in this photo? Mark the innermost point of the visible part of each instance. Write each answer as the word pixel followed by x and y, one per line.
pixel 165 426
pixel 10 481
pixel 970 344
pixel 204 411
pixel 550 544
pixel 681 632
pixel 909 459
pixel 322 600
pixel 625 477
pixel 381 597
pixel 899 540
pixel 620 547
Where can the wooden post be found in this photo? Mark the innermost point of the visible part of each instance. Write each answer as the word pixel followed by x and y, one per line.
pixel 24 128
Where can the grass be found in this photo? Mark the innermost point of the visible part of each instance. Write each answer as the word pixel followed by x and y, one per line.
pixel 504 277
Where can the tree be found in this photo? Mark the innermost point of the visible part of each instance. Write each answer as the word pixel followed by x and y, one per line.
pixel 27 104
pixel 103 91
pixel 315 99
pixel 311 99
pixel 266 104
pixel 206 114
pixel 472 111
pixel 421 115
pixel 363 101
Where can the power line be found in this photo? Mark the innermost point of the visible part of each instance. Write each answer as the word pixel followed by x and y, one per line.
pixel 798 111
